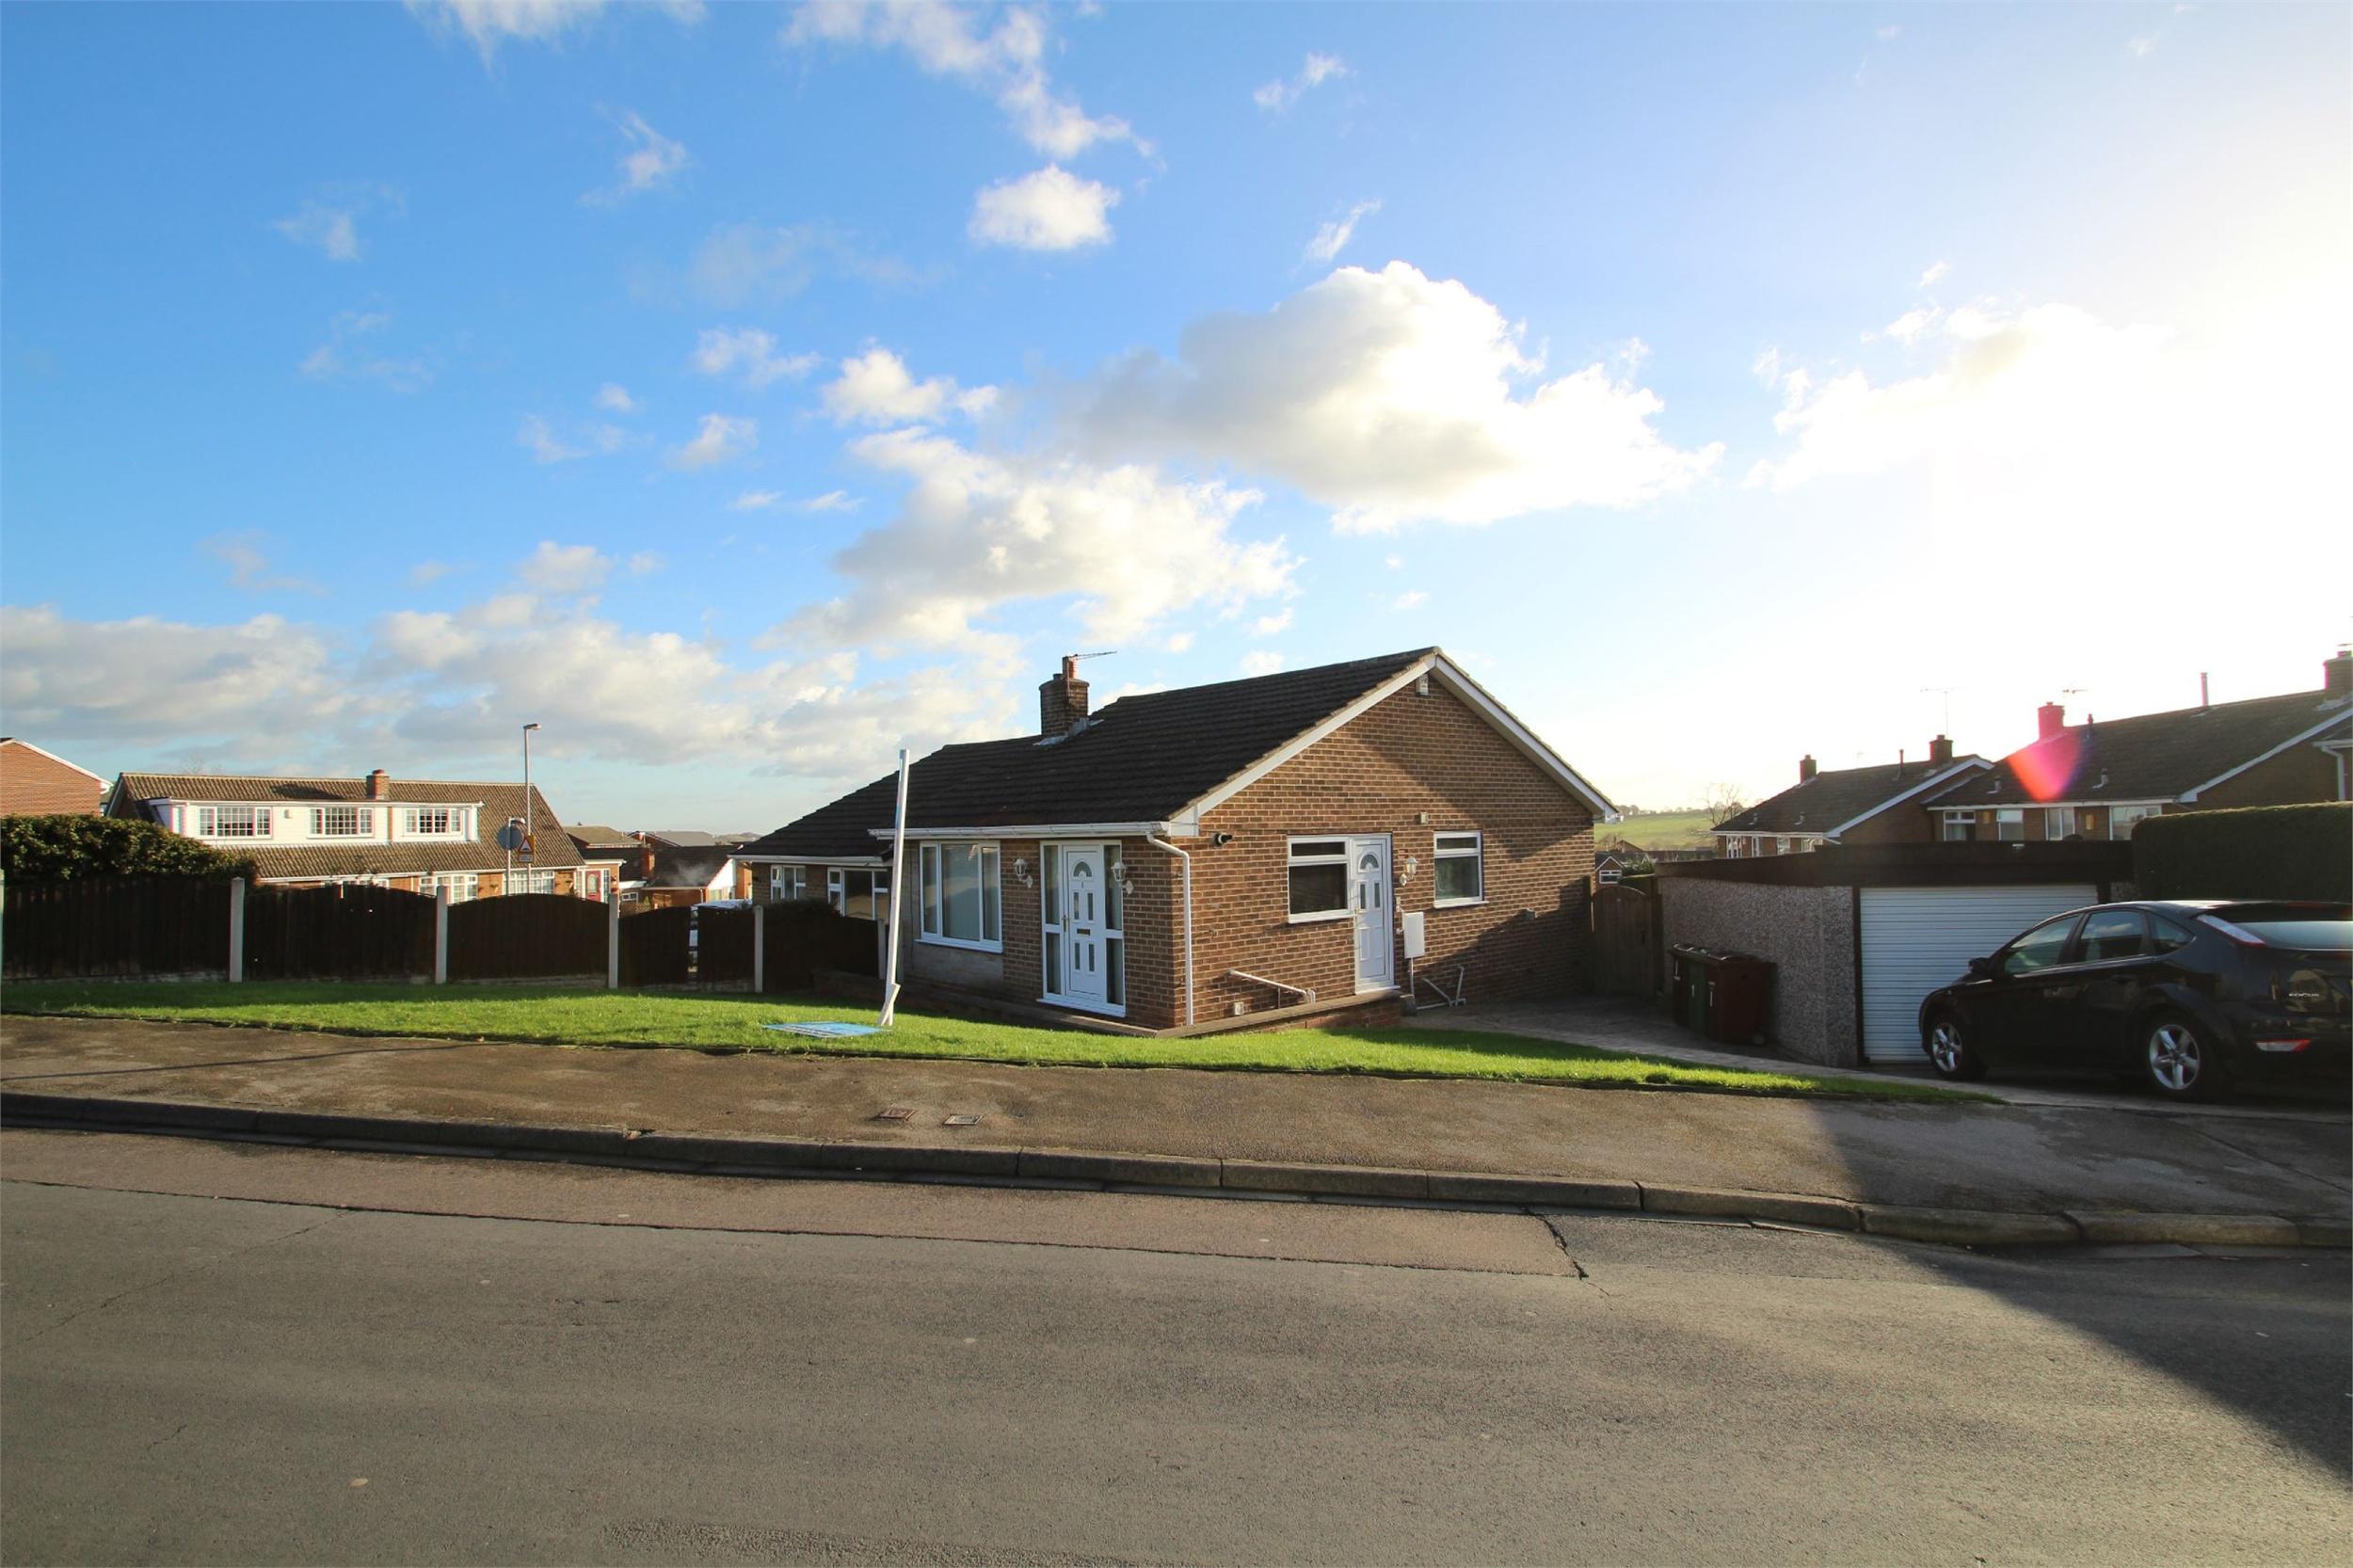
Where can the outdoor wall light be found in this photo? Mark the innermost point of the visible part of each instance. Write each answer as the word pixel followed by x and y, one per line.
pixel 1412 866
pixel 1021 870
pixel 1127 888
pixel 1218 840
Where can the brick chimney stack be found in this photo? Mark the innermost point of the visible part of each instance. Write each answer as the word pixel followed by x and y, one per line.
pixel 1062 702
pixel 380 785
pixel 1805 770
pixel 1941 752
pixel 2336 674
pixel 2049 720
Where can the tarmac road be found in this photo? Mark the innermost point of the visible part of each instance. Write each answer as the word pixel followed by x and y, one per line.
pixel 472 1361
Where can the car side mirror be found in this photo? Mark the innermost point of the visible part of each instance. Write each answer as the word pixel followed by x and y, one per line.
pixel 1982 968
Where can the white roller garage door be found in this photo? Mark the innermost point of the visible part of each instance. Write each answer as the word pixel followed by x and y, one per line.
pixel 1916 939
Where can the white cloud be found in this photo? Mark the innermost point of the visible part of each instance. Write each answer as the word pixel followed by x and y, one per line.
pixel 425 573
pixel 751 352
pixel 876 389
pixel 738 263
pixel 650 162
pixel 646 561
pixel 764 501
pixel 1005 61
pixel 1392 398
pixel 1261 663
pixel 719 439
pixel 832 501
pixel 565 569
pixel 1269 626
pixel 755 501
pixel 1889 34
pixel 1279 95
pixel 1177 642
pixel 330 229
pixel 1395 563
pixel 1413 599
pixel 1332 237
pixel 488 24
pixel 2141 48
pixel 1914 324
pixel 615 396
pixel 347 353
pixel 1936 271
pixel 977 533
pixel 1050 210
pixel 539 439
pixel 2009 384
pixel 249 568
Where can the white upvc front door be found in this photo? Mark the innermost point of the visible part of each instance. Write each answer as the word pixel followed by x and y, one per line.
pixel 1083 922
pixel 1369 902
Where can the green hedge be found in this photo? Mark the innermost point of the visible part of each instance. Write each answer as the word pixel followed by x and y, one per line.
pixel 70 847
pixel 2260 852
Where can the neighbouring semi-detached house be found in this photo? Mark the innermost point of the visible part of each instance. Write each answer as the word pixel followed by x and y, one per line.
pixel 418 835
pixel 1187 858
pixel 1846 806
pixel 37 783
pixel 2097 779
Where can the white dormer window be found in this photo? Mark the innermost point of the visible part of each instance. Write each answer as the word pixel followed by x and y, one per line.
pixel 341 822
pixel 232 821
pixel 438 822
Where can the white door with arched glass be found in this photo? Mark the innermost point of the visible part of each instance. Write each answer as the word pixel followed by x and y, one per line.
pixel 1369 899
pixel 1085 912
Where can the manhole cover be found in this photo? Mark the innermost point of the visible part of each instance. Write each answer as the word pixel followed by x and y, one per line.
pixel 962 1121
pixel 894 1112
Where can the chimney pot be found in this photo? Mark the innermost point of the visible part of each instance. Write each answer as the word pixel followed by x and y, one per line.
pixel 380 785
pixel 2049 720
pixel 2336 674
pixel 1941 752
pixel 1062 701
pixel 1805 769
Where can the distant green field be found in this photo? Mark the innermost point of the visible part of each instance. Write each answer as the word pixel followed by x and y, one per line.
pixel 1659 830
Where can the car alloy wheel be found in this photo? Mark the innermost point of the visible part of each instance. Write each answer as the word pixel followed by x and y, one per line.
pixel 1944 1046
pixel 2176 1059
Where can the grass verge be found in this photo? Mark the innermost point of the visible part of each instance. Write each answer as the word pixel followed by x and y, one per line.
pixel 558 1016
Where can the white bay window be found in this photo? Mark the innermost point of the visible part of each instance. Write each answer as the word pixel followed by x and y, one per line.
pixel 961 895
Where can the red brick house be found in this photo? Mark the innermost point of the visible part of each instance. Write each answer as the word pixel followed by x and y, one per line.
pixel 2097 779
pixel 1187 858
pixel 1876 805
pixel 37 783
pixel 417 835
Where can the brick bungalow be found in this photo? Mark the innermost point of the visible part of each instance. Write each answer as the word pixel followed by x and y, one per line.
pixel 417 835
pixel 37 783
pixel 2096 779
pixel 1186 859
pixel 1878 805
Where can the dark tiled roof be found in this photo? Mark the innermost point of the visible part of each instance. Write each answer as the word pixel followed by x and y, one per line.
pixel 1142 758
pixel 2150 756
pixel 691 866
pixel 1834 798
pixel 681 838
pixel 592 837
pixel 553 848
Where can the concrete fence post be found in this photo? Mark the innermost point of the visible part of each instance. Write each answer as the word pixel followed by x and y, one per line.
pixel 236 930
pixel 440 935
pixel 759 948
pixel 613 943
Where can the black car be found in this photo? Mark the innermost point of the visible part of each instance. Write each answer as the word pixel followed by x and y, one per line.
pixel 2186 996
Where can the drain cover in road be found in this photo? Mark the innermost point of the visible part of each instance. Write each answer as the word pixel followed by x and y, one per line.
pixel 894 1114
pixel 824 1030
pixel 962 1120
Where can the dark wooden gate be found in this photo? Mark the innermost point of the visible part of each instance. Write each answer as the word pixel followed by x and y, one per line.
pixel 527 937
pixel 115 925
pixel 653 946
pixel 349 931
pixel 1625 941
pixel 723 946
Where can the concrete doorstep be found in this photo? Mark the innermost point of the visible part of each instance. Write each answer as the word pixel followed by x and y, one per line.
pixel 720 1154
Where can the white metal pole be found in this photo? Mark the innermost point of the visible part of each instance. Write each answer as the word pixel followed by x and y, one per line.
pixel 759 948
pixel 236 930
pixel 613 943
pixel 440 935
pixel 898 848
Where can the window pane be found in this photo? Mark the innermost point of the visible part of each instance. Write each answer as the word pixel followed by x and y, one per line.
pixel 2039 949
pixel 931 890
pixel 2114 934
pixel 1116 972
pixel 2010 825
pixel 1050 864
pixel 1307 848
pixel 1457 877
pixel 1449 843
pixel 960 893
pixel 1053 962
pixel 1114 903
pixel 990 896
pixel 1317 889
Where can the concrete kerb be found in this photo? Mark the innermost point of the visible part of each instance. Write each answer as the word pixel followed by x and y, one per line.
pixel 1083 1169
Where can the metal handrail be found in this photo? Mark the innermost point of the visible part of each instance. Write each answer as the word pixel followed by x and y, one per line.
pixel 1301 992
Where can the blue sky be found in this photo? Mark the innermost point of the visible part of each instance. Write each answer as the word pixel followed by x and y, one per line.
pixel 744 392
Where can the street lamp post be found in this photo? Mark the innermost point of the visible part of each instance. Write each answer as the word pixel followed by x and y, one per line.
pixel 530 847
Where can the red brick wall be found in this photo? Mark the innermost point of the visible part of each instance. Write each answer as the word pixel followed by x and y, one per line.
pixel 1408 756
pixel 2299 774
pixel 32 784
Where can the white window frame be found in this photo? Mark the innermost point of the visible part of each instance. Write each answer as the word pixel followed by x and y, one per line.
pixel 931 861
pixel 1477 855
pixel 778 876
pixel 531 882
pixel 210 822
pixel 1958 819
pixel 413 820
pixel 362 818
pixel 462 886
pixel 1113 856
pixel 1339 857
pixel 2141 814
pixel 2009 816
pixel 2060 817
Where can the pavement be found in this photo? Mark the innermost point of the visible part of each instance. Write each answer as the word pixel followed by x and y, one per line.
pixel 1967 1173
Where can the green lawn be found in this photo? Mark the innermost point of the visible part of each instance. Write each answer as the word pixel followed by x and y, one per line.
pixel 1659 830
pixel 561 1016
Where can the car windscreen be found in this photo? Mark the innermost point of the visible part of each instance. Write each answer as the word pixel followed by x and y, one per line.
pixel 2304 932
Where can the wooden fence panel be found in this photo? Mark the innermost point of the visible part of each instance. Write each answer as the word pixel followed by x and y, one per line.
pixel 527 937
pixel 115 925
pixel 653 946
pixel 346 931
pixel 1625 941
pixel 723 946
pixel 807 934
